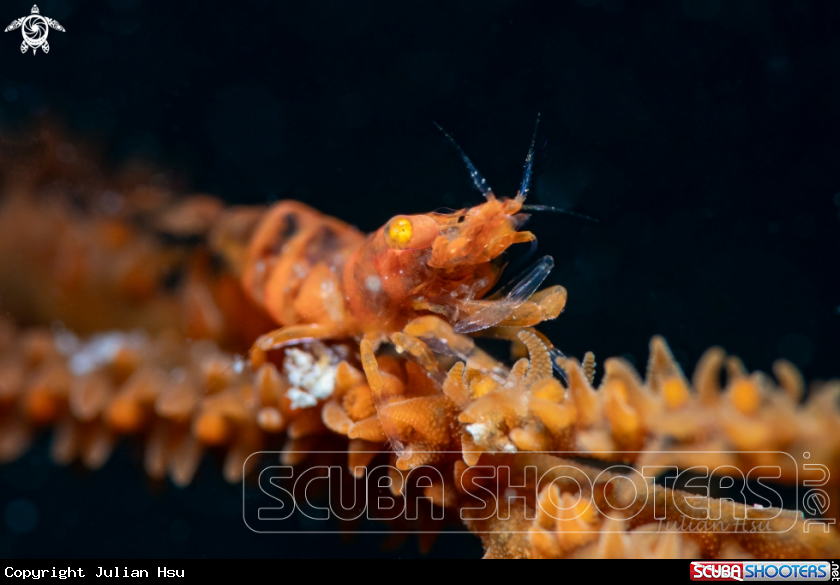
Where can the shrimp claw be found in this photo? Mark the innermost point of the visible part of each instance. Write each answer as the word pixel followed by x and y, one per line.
pixel 497 311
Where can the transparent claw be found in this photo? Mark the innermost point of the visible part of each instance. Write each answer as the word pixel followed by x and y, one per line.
pixel 499 310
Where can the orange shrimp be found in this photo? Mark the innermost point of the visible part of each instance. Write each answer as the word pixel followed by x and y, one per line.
pixel 418 282
pixel 319 278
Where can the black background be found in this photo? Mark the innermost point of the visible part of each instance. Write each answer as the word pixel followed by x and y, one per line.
pixel 703 135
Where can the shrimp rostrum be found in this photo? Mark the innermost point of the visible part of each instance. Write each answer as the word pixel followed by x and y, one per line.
pixel 420 283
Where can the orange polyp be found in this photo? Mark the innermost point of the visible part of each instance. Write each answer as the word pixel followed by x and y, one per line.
pixel 358 402
pixel 305 424
pixel 65 443
pixel 346 377
pixel 361 453
pixel 216 378
pixel 42 407
pixel 556 417
pixel 528 440
pixel 183 460
pixel 88 396
pixel 177 402
pixel 269 386
pixel 37 346
pixel 202 317
pixel 125 416
pixel 97 447
pixel 675 392
pixel 483 386
pixel 549 389
pixel 270 420
pixel 336 418
pixel 11 382
pixel 455 387
pixel 623 419
pixel 212 429
pixel 745 395
pixel 124 364
pixel 369 429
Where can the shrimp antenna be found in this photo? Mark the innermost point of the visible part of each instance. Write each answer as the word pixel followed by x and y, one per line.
pixel 557 210
pixel 478 180
pixel 529 164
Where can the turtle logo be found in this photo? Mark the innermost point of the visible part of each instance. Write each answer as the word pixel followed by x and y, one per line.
pixel 35 29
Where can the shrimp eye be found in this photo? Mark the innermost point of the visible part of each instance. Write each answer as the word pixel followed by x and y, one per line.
pixel 399 233
pixel 416 232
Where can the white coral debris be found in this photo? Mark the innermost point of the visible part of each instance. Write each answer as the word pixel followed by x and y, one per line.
pixel 478 431
pixel 311 372
pixel 99 351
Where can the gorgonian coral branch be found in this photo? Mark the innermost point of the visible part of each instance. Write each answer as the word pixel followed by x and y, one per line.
pixel 370 340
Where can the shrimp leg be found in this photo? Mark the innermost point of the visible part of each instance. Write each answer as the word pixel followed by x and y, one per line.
pixel 294 334
pixel 496 311
pixel 541 306
pixel 439 336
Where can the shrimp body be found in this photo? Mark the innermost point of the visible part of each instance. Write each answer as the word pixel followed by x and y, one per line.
pixel 320 278
pixel 293 265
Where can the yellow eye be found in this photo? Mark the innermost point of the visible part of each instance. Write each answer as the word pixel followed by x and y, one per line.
pixel 399 233
pixel 411 232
